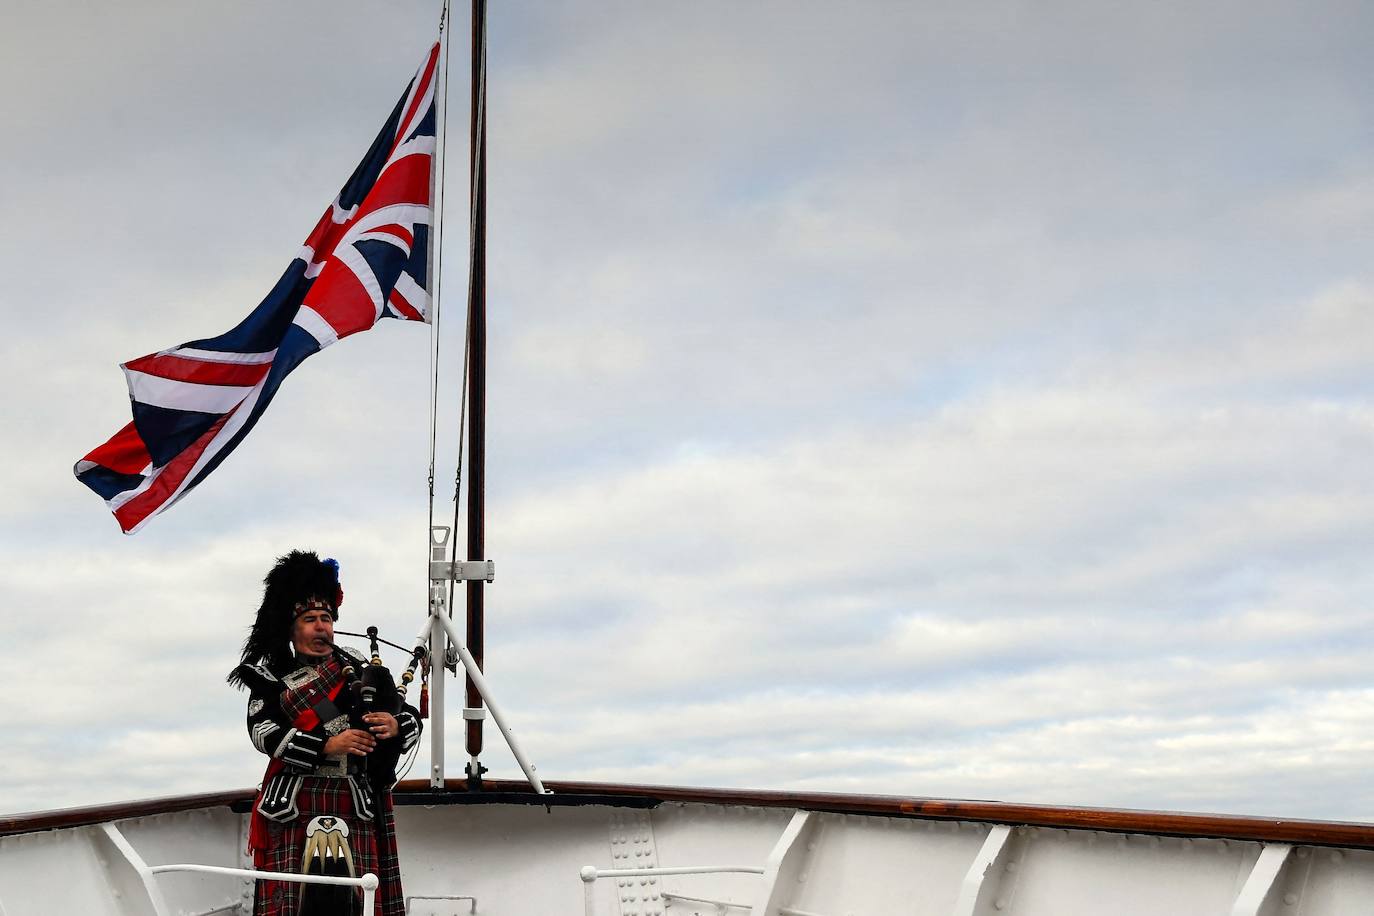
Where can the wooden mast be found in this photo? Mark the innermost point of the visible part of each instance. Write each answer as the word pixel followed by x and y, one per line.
pixel 477 368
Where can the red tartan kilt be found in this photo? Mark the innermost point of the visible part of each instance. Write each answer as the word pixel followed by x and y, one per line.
pixel 332 796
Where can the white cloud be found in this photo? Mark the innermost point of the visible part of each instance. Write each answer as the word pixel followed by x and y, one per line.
pixel 920 400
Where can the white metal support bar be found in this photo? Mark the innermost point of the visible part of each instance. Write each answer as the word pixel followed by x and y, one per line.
pixel 589 874
pixel 145 874
pixel 720 905
pixel 472 901
pixel 480 682
pixel 433 633
pixel 723 905
pixel 1262 880
pixel 438 648
pixel 974 888
pixel 227 908
pixel 784 859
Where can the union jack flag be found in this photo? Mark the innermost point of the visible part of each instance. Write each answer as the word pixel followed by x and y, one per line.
pixel 366 259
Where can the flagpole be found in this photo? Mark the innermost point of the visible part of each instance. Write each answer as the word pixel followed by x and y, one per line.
pixel 477 329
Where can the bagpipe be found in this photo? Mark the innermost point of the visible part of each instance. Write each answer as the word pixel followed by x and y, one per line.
pixel 374 690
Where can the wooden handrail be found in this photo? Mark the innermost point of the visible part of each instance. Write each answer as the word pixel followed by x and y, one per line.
pixel 1114 820
pixel 97 814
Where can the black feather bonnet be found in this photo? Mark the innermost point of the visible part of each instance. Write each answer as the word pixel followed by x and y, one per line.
pixel 294 581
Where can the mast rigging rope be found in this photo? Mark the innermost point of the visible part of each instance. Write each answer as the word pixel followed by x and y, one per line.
pixel 437 255
pixel 445 21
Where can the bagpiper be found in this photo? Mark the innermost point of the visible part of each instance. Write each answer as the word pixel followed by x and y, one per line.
pixel 321 809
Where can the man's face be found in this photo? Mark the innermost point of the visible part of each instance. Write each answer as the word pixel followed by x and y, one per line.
pixel 313 631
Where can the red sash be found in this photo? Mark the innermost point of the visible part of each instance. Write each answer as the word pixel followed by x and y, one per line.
pixel 306 720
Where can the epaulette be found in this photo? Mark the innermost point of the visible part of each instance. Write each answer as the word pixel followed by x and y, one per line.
pixel 258 678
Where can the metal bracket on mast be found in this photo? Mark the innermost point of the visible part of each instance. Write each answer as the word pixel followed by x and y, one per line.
pixel 461 570
pixel 443 570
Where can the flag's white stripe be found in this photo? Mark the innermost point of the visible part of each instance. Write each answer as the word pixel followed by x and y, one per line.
pixel 383 235
pixel 409 100
pixel 219 356
pixel 150 474
pixel 339 215
pixel 177 395
pixel 119 499
pixel 420 146
pixel 428 89
pixel 312 267
pixel 313 323
pixel 353 259
pixel 226 432
pixel 414 293
pixel 401 214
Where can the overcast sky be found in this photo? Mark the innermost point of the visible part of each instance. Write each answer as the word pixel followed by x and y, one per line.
pixel 941 399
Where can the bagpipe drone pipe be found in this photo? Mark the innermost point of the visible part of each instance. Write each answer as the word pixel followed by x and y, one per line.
pixel 374 690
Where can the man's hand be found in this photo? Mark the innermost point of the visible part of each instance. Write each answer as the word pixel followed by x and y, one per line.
pixel 354 741
pixel 382 724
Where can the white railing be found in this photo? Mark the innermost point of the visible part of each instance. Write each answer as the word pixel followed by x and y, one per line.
pixel 590 873
pixel 147 873
pixel 368 882
pixel 783 858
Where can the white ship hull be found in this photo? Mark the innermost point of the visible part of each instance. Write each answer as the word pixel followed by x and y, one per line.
pixel 503 853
